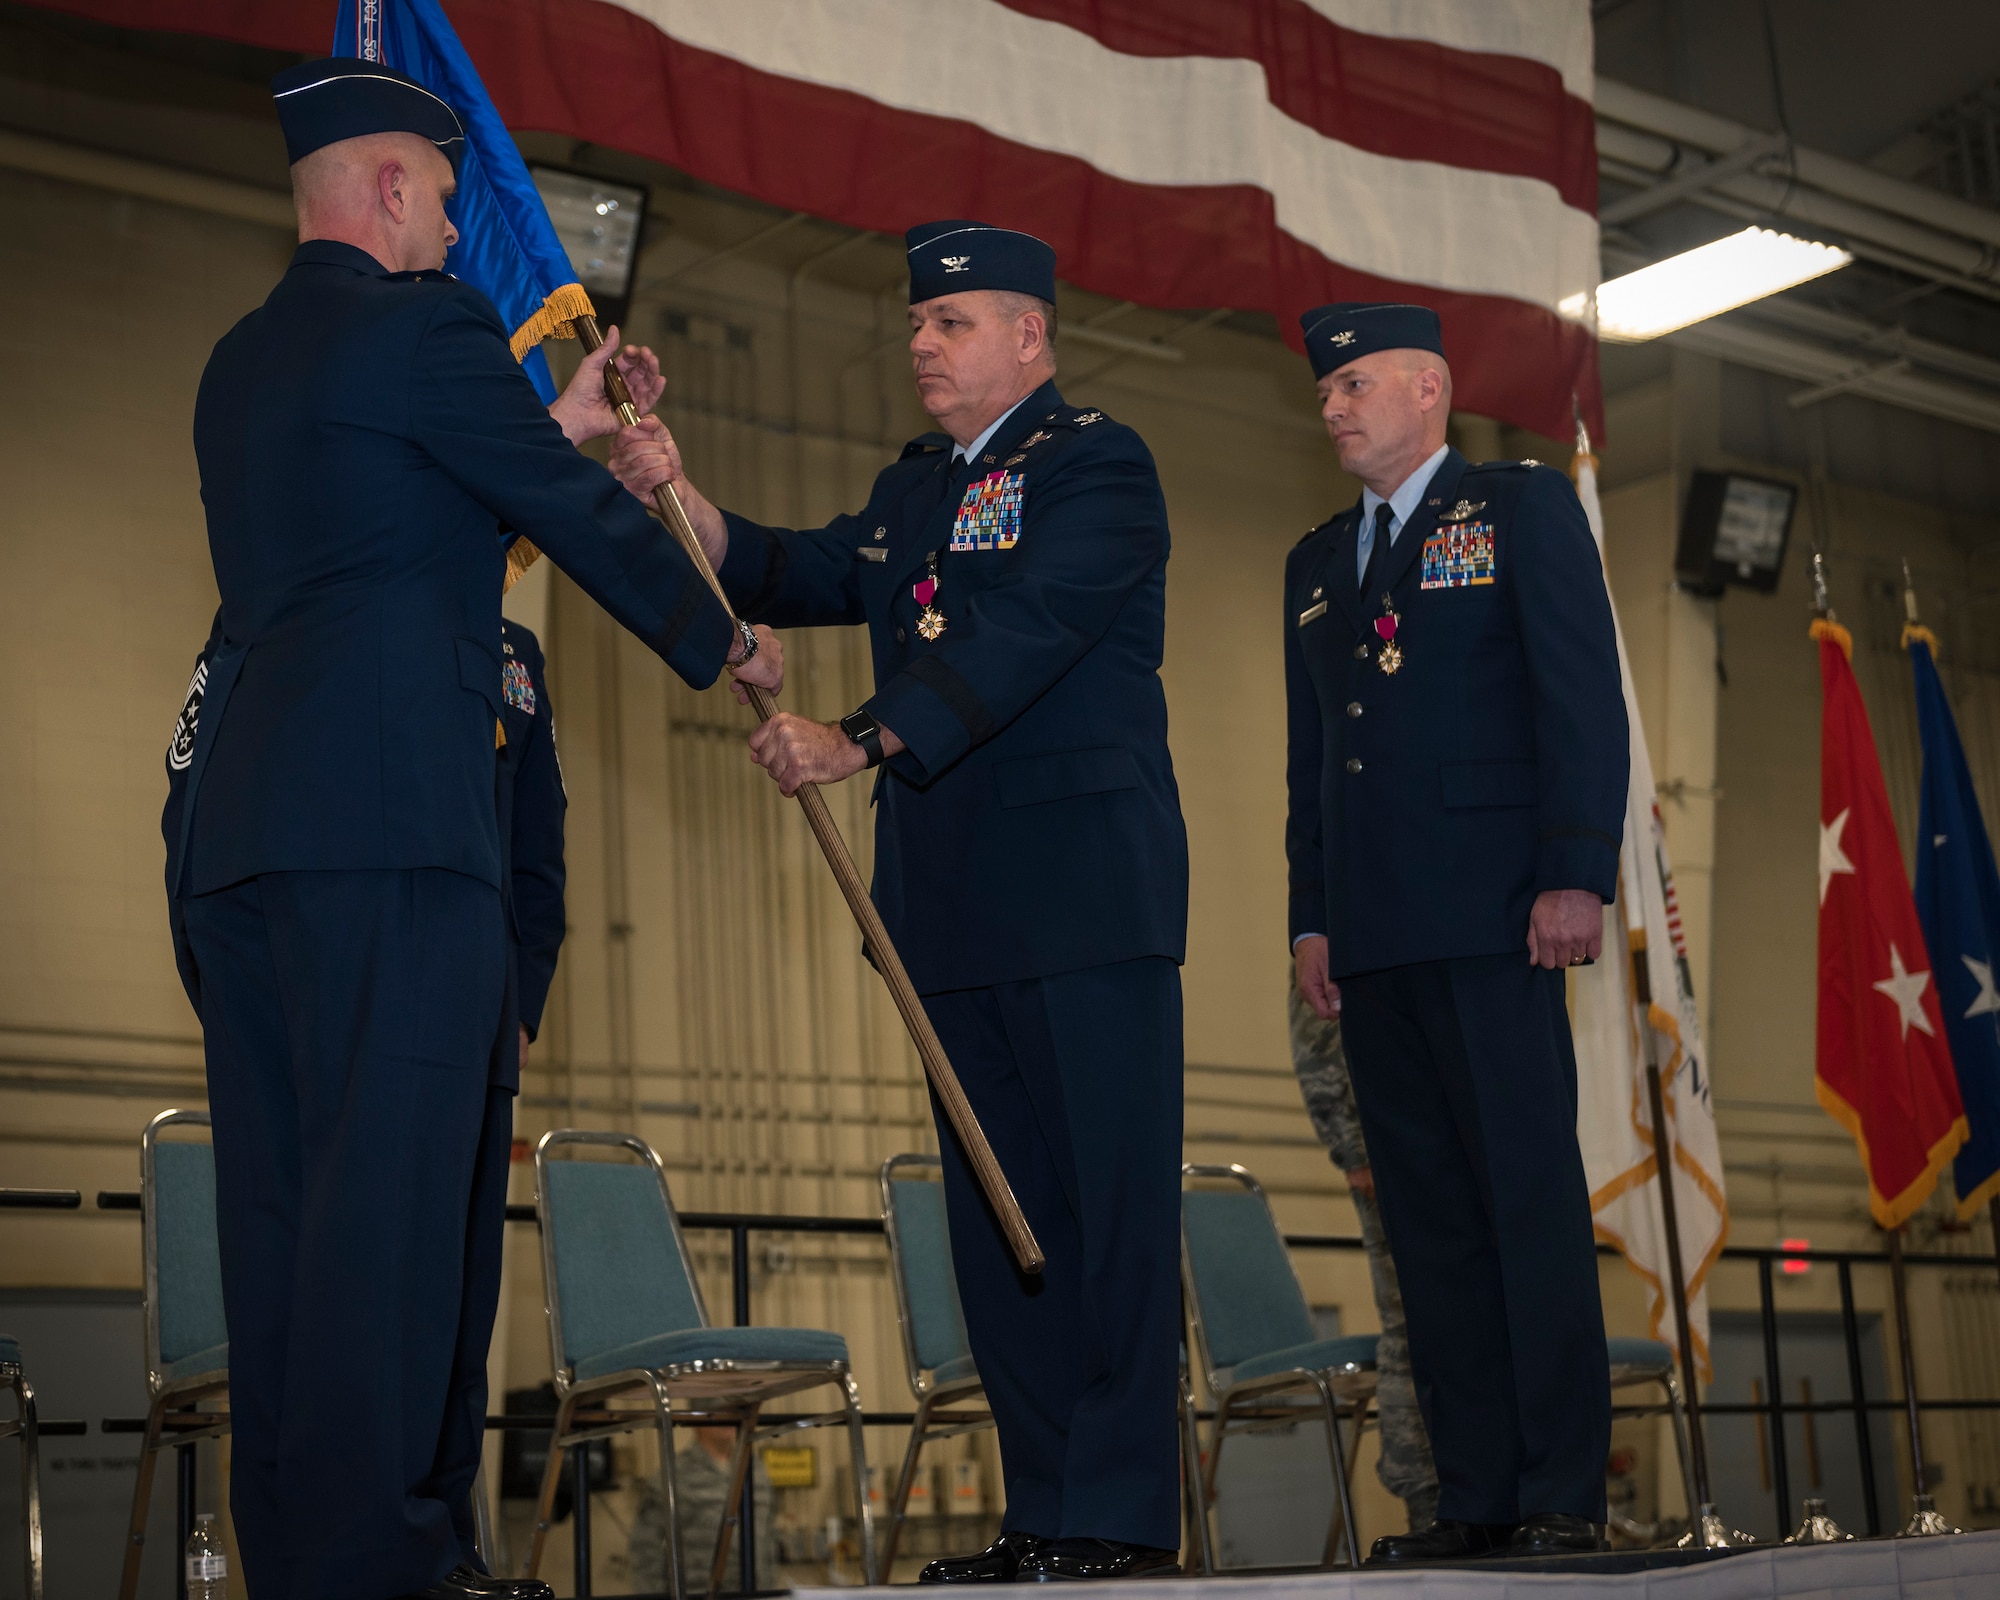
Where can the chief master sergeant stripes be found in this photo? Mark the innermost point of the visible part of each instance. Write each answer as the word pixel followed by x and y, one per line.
pixel 1457 773
pixel 366 441
pixel 1030 864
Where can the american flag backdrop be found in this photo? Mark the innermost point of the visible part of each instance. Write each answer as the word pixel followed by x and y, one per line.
pixel 1256 154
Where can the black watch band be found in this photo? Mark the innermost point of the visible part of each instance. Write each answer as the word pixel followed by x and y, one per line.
pixel 864 730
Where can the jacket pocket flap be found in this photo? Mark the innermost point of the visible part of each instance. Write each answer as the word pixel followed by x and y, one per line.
pixel 1031 780
pixel 478 671
pixel 1488 783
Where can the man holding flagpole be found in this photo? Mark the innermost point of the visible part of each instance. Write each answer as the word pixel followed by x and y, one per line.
pixel 367 444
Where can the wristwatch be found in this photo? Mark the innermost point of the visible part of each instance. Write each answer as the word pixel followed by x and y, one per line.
pixel 862 729
pixel 748 635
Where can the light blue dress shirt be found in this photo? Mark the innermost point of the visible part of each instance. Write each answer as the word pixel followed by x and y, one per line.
pixel 1401 504
pixel 970 452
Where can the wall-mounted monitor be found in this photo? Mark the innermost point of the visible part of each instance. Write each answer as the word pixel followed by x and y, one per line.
pixel 1733 531
pixel 600 224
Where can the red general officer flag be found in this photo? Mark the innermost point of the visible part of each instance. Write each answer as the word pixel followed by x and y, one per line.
pixel 1884 1071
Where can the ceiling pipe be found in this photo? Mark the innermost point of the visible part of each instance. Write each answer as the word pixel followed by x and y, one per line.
pixel 1731 339
pixel 1894 240
pixel 1688 125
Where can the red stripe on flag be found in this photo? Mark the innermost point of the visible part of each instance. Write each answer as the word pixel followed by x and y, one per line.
pixel 1407 98
pixel 597 72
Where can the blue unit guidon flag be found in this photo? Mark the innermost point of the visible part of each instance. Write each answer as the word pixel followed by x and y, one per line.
pixel 1958 903
pixel 989 516
pixel 507 247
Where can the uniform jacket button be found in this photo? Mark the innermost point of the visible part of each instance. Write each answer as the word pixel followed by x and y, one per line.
pixel 1354 708
pixel 1353 763
pixel 1361 652
pixel 900 636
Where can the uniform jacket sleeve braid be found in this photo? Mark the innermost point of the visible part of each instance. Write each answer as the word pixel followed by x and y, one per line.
pixel 1088 540
pixel 478 418
pixel 792 578
pixel 1582 749
pixel 540 807
pixel 1305 819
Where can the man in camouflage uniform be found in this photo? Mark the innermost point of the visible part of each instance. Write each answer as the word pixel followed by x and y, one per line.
pixel 1320 1060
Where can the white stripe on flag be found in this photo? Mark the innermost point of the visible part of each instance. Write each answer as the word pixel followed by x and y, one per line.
pixel 1184 120
pixel 1555 32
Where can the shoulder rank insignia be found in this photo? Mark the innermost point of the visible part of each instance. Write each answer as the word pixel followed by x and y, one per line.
pixel 1529 461
pixel 989 515
pixel 1085 418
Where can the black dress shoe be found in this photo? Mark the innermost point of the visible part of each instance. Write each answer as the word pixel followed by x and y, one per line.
pixel 462 1583
pixel 1092 1560
pixel 1441 1541
pixel 997 1563
pixel 1557 1533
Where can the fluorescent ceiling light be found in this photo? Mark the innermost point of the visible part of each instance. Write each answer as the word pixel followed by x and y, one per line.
pixel 1702 283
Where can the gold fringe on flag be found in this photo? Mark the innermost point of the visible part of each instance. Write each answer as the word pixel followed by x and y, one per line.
pixel 1917 633
pixel 521 555
pixel 1827 628
pixel 555 320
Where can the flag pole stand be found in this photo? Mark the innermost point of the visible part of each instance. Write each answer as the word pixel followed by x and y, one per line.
pixel 853 888
pixel 1706 1529
pixel 1925 1518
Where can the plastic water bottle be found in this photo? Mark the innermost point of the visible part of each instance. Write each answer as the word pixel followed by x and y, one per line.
pixel 207 1564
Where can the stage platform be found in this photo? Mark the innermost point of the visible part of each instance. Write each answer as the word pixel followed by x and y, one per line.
pixel 1959 1567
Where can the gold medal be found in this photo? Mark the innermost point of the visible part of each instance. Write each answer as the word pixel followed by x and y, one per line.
pixel 930 620
pixel 1390 657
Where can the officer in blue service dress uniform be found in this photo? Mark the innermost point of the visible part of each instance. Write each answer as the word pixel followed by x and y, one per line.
pixel 1031 866
pixel 366 444
pixel 530 806
pixel 1457 773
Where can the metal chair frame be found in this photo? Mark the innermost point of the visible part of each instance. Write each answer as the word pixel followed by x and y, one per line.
pixel 1626 1374
pixel 174 1419
pixel 933 1420
pixel 13 1375
pixel 729 1391
pixel 1252 1404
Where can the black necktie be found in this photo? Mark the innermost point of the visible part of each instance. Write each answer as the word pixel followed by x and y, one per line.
pixel 1378 556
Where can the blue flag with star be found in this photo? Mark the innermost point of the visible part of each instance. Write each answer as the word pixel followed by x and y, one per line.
pixel 507 247
pixel 1958 903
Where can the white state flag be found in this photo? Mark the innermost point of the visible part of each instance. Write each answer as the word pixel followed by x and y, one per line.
pixel 1614 1122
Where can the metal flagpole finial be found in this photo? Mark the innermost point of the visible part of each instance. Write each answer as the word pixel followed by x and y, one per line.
pixel 1821 605
pixel 1909 595
pixel 1582 428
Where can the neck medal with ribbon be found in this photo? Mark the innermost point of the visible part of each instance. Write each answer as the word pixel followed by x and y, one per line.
pixel 930 621
pixel 1390 657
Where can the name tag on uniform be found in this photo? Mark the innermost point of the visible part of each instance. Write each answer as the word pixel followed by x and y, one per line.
pixel 1459 556
pixel 869 552
pixel 989 516
pixel 1312 613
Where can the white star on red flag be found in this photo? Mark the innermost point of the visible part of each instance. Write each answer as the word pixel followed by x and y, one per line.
pixel 1832 858
pixel 1907 990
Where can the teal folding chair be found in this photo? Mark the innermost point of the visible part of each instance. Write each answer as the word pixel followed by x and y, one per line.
pixel 1637 1361
pixel 1253 1335
pixel 14 1376
pixel 936 1351
pixel 187 1340
pixel 626 1314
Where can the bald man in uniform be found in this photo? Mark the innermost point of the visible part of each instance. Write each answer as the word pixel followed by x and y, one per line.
pixel 367 446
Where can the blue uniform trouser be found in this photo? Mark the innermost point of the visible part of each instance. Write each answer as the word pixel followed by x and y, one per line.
pixel 1076 1079
pixel 349 1021
pixel 1465 1078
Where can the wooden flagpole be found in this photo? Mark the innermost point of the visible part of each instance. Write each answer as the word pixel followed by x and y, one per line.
pixel 985 1166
